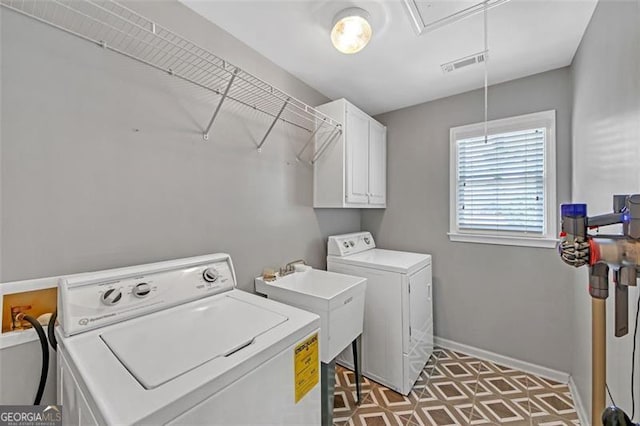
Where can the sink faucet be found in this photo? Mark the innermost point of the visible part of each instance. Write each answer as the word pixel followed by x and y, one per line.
pixel 289 269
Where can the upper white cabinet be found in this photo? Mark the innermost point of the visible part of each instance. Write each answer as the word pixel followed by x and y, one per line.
pixel 353 170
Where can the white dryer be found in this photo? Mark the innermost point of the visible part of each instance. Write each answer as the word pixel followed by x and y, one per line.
pixel 175 343
pixel 397 338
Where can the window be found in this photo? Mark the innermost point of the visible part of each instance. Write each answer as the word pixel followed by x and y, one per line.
pixel 503 189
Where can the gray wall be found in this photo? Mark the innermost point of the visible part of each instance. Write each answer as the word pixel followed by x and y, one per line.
pixel 606 159
pixel 514 301
pixel 82 190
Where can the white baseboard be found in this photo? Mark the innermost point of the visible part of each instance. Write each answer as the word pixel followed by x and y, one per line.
pixel 527 367
pixel 578 404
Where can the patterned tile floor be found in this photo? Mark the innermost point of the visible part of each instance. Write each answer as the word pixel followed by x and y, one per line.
pixel 457 389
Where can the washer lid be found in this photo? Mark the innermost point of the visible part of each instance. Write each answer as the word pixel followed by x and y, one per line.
pixel 387 260
pixel 168 346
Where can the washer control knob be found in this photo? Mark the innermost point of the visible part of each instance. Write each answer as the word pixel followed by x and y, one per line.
pixel 345 244
pixel 367 240
pixel 111 296
pixel 351 243
pixel 141 290
pixel 210 275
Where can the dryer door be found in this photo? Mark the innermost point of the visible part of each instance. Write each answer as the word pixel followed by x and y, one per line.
pixel 420 309
pixel 418 338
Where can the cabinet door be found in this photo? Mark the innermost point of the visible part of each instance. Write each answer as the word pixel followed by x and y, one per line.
pixel 357 167
pixel 377 164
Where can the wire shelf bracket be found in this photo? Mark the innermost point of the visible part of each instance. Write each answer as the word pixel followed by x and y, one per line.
pixel 116 28
pixel 323 147
pixel 264 138
pixel 306 145
pixel 205 135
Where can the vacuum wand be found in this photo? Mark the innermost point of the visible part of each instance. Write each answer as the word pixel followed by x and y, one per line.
pixel 602 252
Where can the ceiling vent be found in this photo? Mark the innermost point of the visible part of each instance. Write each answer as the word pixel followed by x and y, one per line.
pixel 477 58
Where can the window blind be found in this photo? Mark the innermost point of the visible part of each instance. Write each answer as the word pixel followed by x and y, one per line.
pixel 500 182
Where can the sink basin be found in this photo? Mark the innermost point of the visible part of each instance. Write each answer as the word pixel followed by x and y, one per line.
pixel 337 298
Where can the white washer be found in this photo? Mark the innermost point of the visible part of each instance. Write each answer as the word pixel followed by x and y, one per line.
pixel 175 343
pixel 397 338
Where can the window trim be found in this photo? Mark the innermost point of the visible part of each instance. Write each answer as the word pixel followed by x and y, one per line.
pixel 546 119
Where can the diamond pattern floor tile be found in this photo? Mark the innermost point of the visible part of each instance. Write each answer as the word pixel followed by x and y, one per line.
pixel 457 389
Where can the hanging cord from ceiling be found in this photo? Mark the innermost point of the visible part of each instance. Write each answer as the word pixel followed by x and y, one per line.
pixel 486 71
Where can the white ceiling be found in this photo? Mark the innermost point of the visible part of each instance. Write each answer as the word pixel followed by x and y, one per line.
pixel 399 68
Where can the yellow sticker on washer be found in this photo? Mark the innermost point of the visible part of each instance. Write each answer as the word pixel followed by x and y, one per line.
pixel 306 366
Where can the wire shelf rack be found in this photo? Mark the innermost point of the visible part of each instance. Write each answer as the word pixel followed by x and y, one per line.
pixel 120 29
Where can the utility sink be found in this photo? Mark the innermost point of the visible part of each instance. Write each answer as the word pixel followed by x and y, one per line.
pixel 337 298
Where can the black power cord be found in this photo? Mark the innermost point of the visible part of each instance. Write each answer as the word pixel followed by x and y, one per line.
pixel 633 362
pixel 613 416
pixel 45 356
pixel 610 396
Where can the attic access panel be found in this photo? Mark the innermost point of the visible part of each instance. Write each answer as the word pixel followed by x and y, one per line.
pixel 429 15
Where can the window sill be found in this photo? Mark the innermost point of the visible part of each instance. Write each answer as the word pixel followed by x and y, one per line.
pixel 504 240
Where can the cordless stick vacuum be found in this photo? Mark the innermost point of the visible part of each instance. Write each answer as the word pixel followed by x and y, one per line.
pixel 601 252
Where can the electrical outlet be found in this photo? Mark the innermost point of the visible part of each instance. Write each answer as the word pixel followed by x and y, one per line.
pixel 33 303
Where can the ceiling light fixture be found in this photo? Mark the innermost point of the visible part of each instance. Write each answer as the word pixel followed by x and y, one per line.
pixel 351 30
